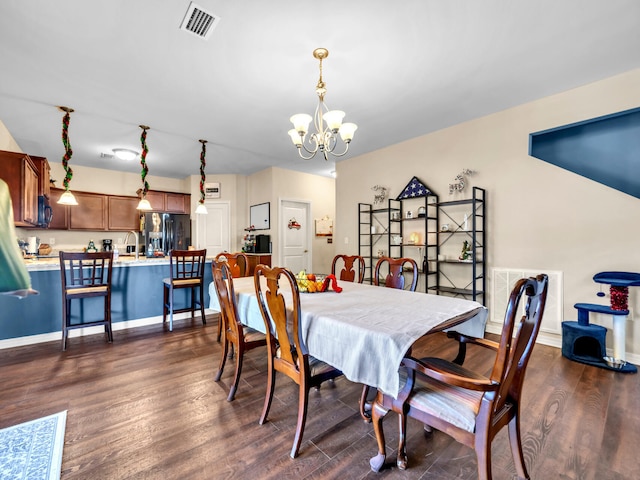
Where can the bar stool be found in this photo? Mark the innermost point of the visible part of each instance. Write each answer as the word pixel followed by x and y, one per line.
pixel 85 275
pixel 187 271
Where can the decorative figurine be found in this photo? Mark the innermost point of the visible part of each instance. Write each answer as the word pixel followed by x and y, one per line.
pixel 465 256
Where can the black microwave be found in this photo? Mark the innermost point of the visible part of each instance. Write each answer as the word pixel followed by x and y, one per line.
pixel 45 214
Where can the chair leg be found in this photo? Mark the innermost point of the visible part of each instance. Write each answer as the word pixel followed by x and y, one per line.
pixel 236 379
pixel 66 306
pixel 165 297
pixel 223 360
pixel 377 414
pixel 303 403
pixel 107 317
pixel 365 404
pixel 219 327
pixel 516 447
pixel 402 442
pixel 483 454
pixel 271 382
pixel 204 318
pixel 171 308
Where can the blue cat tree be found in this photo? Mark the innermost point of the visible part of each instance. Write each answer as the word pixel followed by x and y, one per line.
pixel 584 342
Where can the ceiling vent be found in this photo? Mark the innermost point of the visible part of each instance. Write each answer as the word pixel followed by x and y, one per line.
pixel 199 22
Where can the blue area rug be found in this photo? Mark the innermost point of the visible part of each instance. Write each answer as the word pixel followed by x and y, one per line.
pixel 33 450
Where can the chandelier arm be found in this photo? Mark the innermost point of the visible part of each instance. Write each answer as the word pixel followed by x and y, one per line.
pixel 346 149
pixel 313 154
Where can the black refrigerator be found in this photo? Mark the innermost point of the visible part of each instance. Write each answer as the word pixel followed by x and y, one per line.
pixel 164 232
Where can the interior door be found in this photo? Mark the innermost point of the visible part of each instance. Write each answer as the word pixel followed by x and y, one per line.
pixel 213 229
pixel 295 232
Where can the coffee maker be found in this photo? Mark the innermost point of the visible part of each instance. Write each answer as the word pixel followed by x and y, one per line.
pixel 107 245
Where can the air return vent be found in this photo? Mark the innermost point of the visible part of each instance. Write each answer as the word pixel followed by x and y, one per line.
pixel 199 22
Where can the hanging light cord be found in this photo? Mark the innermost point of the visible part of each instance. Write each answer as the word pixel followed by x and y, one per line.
pixel 67 147
pixel 203 163
pixel 143 160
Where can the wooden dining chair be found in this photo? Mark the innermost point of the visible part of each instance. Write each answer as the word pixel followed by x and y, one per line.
pixel 237 336
pixel 350 263
pixel 402 273
pixel 238 266
pixel 468 406
pixel 85 275
pixel 186 268
pixel 287 352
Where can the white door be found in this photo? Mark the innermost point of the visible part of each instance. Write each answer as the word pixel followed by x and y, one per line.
pixel 295 248
pixel 213 229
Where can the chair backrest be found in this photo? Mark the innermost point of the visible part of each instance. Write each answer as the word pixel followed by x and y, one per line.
pixel 399 268
pixel 348 272
pixel 237 263
pixel 187 264
pixel 282 327
pixel 518 337
pixel 223 282
pixel 85 270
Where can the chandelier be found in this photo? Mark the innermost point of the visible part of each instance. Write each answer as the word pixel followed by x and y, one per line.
pixel 328 124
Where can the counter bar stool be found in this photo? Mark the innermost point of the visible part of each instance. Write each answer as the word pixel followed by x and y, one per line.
pixel 85 275
pixel 187 271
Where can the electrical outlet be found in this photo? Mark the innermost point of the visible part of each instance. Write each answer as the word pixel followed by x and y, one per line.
pixel 52 241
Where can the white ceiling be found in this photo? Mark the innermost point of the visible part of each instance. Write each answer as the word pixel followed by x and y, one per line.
pixel 398 69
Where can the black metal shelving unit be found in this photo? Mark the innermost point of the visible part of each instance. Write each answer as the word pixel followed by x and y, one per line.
pixel 449 277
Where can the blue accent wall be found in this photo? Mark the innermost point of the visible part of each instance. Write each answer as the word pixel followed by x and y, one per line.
pixel 604 149
pixel 137 292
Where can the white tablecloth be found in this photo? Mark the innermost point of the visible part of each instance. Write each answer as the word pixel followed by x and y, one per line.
pixel 365 330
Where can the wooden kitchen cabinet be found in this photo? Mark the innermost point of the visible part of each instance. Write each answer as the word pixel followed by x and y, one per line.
pixel 90 213
pixel 20 174
pixel 44 175
pixel 170 202
pixel 256 259
pixel 123 214
pixel 59 213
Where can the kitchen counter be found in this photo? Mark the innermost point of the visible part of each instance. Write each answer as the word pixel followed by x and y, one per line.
pixel 137 294
pixel 53 262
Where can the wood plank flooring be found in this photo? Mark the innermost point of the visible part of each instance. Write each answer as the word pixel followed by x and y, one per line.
pixel 146 407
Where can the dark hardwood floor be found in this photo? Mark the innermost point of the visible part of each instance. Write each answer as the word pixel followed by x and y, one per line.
pixel 146 407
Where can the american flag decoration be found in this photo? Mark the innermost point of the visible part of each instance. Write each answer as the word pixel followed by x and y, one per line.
pixel 414 189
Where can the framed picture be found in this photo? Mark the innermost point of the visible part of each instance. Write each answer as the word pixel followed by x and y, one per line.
pixel 259 216
pixel 324 227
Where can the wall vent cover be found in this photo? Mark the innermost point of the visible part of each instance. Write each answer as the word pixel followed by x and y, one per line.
pixel 198 22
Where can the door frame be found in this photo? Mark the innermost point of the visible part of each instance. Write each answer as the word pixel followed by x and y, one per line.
pixel 282 225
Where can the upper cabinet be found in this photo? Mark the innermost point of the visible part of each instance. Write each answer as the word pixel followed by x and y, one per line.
pixel 20 174
pixel 44 175
pixel 91 213
pixel 123 214
pixel 169 202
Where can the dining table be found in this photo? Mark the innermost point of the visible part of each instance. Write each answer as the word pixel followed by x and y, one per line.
pixel 365 330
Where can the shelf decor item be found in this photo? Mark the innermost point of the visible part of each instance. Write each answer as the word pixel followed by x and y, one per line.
pixel 414 189
pixel 67 197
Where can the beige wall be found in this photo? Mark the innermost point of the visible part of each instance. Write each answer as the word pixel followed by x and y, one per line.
pixel 540 217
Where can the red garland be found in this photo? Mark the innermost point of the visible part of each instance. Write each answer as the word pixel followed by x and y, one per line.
pixel 619 297
pixel 143 162
pixel 203 163
pixel 68 152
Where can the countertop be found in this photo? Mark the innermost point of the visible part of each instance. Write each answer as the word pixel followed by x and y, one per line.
pixel 53 262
